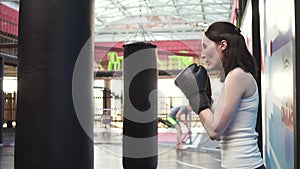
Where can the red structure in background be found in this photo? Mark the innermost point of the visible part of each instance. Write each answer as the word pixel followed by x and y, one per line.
pixel 165 48
pixel 9 19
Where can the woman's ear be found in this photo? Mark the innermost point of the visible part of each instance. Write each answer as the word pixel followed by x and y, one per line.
pixel 223 45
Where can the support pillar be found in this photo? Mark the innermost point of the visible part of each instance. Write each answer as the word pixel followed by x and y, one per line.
pixel 107 98
pixel 55 75
pixel 1 98
pixel 296 82
pixel 257 54
pixel 106 114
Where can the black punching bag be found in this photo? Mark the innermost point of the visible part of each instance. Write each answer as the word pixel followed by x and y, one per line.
pixel 140 106
pixel 55 77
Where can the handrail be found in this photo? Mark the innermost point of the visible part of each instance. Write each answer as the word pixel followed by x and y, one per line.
pixel 9 59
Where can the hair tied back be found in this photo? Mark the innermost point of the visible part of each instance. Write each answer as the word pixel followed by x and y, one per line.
pixel 238 30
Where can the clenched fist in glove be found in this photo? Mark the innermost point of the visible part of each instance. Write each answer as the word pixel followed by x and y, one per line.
pixel 194 82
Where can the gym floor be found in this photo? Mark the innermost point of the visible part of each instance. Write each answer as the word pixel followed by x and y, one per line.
pixel 108 152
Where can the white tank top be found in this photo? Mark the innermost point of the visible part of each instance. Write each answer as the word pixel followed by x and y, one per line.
pixel 239 141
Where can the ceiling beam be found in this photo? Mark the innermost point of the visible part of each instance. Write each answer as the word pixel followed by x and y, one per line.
pixel 173 5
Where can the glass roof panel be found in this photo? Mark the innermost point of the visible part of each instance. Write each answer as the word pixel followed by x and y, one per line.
pixel 169 18
pixel 116 17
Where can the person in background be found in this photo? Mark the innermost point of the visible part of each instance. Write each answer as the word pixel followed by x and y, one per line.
pixel 174 118
pixel 231 118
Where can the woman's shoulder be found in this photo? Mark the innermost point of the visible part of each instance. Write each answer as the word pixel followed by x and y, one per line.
pixel 237 70
pixel 239 78
pixel 237 74
pixel 243 80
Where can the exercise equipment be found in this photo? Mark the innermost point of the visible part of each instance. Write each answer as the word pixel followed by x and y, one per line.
pixel 55 77
pixel 194 82
pixel 187 137
pixel 165 122
pixel 140 106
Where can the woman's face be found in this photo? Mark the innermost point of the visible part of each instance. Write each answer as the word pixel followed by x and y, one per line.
pixel 211 54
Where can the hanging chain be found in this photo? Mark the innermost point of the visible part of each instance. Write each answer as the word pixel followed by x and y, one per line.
pixel 141 31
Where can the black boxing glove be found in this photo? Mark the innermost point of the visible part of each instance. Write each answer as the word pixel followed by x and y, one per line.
pixel 194 82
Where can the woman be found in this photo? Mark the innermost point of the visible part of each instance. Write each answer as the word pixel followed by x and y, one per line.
pixel 232 117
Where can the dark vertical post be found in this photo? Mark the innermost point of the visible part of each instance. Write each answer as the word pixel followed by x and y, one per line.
pixel 107 98
pixel 171 102
pixel 1 98
pixel 257 55
pixel 297 81
pixel 55 74
pixel 104 100
pixel 190 127
pixel 240 11
pixel 140 106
